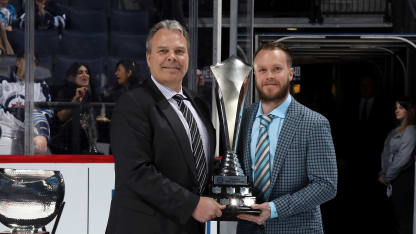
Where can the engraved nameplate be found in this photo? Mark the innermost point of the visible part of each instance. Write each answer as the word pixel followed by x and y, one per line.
pixel 230 180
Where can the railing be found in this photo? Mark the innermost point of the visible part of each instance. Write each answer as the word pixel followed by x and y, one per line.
pixel 76 110
pixel 355 6
pixel 316 9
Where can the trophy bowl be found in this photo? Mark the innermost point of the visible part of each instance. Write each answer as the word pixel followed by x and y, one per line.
pixel 29 199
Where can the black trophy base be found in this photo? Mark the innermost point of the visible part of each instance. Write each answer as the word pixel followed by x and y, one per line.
pixel 236 194
pixel 230 213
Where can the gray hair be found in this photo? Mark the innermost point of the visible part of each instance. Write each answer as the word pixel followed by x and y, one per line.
pixel 171 25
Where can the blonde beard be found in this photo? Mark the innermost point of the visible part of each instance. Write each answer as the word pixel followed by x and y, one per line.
pixel 281 94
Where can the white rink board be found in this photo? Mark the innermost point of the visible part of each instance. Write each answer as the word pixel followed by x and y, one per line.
pixel 86 209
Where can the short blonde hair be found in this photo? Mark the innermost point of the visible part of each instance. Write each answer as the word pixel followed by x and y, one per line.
pixel 275 46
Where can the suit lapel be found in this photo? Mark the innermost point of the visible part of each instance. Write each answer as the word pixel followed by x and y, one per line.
pixel 247 142
pixel 175 123
pixel 287 133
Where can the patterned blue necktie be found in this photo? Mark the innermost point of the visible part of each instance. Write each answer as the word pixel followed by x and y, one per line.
pixel 197 147
pixel 262 166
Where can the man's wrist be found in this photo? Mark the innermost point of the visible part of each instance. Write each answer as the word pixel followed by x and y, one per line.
pixel 273 211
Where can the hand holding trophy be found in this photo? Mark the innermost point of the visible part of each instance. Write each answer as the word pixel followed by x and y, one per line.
pixel 230 187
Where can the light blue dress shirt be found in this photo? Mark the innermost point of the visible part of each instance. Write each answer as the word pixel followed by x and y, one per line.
pixel 274 132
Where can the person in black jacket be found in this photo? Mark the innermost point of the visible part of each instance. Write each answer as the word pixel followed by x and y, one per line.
pixel 127 75
pixel 78 88
pixel 48 15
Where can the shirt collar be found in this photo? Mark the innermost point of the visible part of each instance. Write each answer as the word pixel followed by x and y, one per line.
pixel 280 111
pixel 166 91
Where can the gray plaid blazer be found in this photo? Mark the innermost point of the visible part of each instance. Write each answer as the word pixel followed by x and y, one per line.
pixel 304 173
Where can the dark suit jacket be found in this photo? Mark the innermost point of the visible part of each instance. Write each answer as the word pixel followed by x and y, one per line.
pixel 155 189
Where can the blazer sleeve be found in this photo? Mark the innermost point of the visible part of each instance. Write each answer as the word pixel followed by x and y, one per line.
pixel 321 173
pixel 136 173
pixel 403 156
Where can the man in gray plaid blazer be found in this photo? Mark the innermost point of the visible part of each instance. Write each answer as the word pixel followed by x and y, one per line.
pixel 287 152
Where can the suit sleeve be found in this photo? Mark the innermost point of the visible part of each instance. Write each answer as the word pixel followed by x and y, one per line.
pixel 321 173
pixel 136 173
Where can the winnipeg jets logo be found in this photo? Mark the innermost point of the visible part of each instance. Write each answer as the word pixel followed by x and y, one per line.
pixel 15 101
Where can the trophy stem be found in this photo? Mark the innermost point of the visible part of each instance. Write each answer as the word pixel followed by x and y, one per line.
pixel 221 115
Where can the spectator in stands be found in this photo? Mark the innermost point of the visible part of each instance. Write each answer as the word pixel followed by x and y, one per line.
pixel 48 15
pixel 127 75
pixel 7 15
pixel 5 47
pixel 78 88
pixel 12 102
pixel 398 166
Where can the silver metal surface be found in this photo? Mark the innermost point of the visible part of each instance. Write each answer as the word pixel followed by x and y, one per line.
pixel 217 30
pixel 193 50
pixel 233 27
pixel 245 191
pixel 230 75
pixel 30 199
pixel 29 75
pixel 230 190
pixel 216 190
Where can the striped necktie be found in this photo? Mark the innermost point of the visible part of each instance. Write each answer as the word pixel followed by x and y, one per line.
pixel 197 147
pixel 262 166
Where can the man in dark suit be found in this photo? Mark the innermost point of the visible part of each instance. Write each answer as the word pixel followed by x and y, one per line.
pixel 287 152
pixel 163 146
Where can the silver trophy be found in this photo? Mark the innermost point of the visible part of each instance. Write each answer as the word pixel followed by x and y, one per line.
pixel 230 186
pixel 30 199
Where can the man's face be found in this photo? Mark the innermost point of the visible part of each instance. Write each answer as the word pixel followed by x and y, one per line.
pixel 21 67
pixel 168 59
pixel 273 75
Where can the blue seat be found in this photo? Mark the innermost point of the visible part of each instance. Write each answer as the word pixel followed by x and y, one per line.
pixel 135 22
pixel 62 63
pixel 84 45
pixel 6 62
pixel 44 68
pixel 46 42
pixel 101 5
pixel 128 45
pixel 86 20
